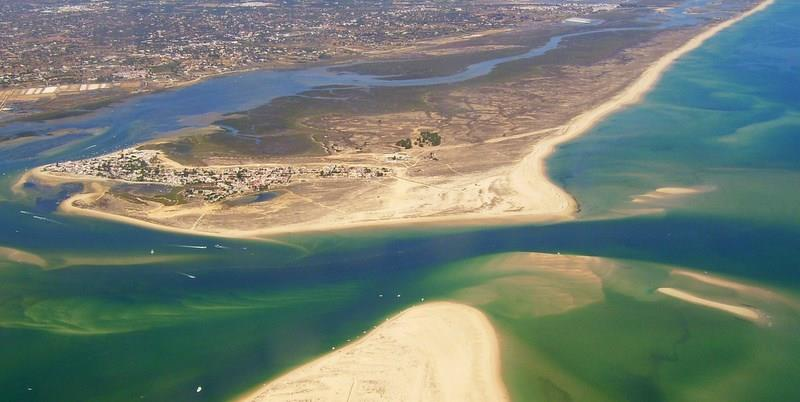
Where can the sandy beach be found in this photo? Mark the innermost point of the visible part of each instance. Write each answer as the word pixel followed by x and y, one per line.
pixel 519 193
pixel 438 352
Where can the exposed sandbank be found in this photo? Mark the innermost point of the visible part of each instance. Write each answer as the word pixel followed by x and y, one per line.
pixel 21 257
pixel 761 293
pixel 669 193
pixel 747 313
pixel 438 352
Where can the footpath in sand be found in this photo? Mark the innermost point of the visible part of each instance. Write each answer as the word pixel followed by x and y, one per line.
pixel 437 352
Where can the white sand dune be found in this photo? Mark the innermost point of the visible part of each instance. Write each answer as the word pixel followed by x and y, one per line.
pixel 437 352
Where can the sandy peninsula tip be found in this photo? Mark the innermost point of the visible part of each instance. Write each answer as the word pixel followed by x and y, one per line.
pixel 442 351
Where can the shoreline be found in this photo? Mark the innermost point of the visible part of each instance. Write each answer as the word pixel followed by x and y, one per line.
pixel 631 95
pixel 548 202
pixel 435 351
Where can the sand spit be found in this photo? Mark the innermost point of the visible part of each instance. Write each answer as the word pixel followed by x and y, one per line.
pixel 747 313
pixel 442 352
pixel 21 257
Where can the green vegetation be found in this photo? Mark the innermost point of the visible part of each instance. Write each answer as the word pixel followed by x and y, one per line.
pixel 175 196
pixel 429 138
pixel 426 139
pixel 171 67
pixel 405 143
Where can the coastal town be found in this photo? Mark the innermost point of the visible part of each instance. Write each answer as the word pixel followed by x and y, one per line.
pixel 158 43
pixel 211 184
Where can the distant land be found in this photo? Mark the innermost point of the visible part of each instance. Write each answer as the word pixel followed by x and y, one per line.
pixel 57 59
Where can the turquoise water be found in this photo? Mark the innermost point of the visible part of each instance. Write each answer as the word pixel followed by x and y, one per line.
pixel 726 117
pixel 104 321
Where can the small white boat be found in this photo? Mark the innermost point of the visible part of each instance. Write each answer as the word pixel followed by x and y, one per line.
pixel 190 246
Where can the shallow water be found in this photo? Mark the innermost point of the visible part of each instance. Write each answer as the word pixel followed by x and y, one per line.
pixel 122 313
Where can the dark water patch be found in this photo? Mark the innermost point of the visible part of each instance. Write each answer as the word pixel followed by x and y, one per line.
pixel 764 252
pixel 253 199
pixel 50 202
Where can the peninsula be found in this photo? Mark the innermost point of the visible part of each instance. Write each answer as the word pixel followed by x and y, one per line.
pixel 473 151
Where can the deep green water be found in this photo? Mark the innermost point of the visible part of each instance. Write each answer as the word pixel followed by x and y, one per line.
pixel 725 119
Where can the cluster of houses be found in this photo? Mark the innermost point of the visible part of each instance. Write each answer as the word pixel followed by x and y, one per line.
pixel 212 184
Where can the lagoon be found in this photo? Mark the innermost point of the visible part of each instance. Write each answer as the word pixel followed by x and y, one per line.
pixel 106 320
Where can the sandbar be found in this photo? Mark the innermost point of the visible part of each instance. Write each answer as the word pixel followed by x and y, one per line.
pixel 667 193
pixel 437 352
pixel 747 313
pixel 21 257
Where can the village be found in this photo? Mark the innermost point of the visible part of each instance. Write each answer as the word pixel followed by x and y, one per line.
pixel 211 184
